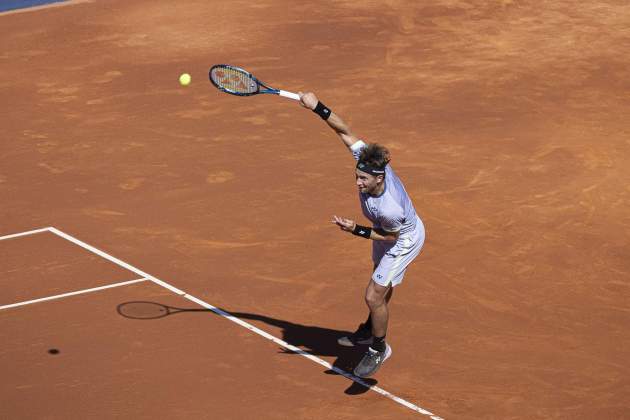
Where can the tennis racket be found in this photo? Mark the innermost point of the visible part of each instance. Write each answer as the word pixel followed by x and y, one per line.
pixel 236 81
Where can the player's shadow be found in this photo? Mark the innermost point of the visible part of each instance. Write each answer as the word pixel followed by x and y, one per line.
pixel 317 341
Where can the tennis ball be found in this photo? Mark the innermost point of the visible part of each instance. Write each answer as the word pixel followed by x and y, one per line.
pixel 184 79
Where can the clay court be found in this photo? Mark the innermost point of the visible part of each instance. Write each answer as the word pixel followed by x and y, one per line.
pixel 507 121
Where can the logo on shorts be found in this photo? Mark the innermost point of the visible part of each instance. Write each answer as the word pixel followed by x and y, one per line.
pixel 378 276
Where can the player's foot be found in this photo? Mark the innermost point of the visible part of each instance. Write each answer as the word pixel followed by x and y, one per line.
pixel 362 336
pixel 372 361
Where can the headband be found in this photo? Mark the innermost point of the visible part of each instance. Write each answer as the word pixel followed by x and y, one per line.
pixel 372 170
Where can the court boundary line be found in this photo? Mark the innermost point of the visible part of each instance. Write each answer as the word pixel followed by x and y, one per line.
pixel 77 292
pixel 238 321
pixel 29 232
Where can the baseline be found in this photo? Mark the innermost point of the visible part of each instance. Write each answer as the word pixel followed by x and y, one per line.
pixel 246 325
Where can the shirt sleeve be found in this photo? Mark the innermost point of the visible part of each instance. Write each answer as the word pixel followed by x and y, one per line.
pixel 356 149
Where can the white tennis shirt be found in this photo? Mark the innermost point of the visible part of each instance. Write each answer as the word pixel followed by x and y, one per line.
pixel 393 210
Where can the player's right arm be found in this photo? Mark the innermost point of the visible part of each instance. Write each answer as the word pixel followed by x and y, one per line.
pixel 334 121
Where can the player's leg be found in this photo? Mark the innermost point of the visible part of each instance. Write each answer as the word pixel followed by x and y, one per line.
pixel 363 334
pixel 379 351
pixel 376 300
pixel 389 273
pixel 368 323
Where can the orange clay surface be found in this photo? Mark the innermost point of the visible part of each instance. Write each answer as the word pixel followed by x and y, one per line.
pixel 507 121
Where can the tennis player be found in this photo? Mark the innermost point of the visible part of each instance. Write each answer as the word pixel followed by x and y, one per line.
pixel 397 234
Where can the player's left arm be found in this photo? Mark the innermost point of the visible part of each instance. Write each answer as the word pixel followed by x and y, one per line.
pixel 375 234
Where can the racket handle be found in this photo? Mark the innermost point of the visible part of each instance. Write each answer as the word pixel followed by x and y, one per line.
pixel 289 95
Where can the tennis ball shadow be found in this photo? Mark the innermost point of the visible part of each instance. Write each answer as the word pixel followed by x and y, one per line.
pixel 314 340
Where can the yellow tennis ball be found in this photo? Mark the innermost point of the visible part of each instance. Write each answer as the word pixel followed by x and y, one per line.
pixel 184 79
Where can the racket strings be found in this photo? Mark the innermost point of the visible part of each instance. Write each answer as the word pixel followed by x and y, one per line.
pixel 233 80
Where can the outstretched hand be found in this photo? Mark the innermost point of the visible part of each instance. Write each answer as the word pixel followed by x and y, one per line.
pixel 344 224
pixel 308 100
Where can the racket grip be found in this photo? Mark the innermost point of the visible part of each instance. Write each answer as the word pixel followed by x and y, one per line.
pixel 289 95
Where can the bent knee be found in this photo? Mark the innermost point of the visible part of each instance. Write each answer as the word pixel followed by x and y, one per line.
pixel 374 299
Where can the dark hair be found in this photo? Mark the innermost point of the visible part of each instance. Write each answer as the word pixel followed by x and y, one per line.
pixel 375 155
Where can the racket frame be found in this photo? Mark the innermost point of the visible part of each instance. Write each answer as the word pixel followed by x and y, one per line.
pixel 259 84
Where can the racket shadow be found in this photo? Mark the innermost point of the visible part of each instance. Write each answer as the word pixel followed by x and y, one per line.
pixel 315 340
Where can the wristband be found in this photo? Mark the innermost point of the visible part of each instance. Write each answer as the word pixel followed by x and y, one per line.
pixel 322 111
pixel 362 231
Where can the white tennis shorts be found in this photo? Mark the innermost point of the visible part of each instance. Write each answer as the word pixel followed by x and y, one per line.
pixel 392 258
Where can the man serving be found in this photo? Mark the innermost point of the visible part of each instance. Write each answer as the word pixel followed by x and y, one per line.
pixel 397 234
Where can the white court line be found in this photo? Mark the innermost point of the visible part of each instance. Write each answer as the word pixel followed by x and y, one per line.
pixel 78 292
pixel 116 260
pixel 30 232
pixel 313 358
pixel 244 324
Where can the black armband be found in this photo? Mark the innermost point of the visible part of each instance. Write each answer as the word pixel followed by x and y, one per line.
pixel 322 111
pixel 362 231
